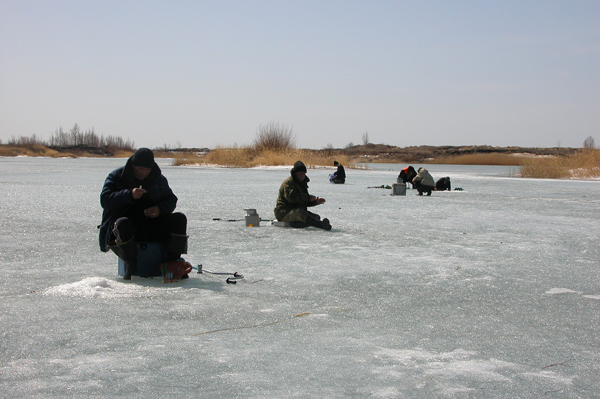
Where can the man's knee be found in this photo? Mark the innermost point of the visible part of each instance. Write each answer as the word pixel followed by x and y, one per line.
pixel 296 215
pixel 123 230
pixel 178 223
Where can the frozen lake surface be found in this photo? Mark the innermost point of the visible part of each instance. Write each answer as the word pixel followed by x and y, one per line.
pixel 492 291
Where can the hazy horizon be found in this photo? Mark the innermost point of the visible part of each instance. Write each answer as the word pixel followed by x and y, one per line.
pixel 170 146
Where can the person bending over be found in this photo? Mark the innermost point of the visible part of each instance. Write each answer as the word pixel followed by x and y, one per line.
pixel 294 199
pixel 138 205
pixel 443 184
pixel 407 175
pixel 423 182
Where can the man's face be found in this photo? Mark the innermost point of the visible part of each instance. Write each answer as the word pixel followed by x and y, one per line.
pixel 140 172
pixel 300 175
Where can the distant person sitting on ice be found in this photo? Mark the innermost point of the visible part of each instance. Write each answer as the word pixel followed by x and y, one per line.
pixel 423 182
pixel 294 198
pixel 138 206
pixel 407 175
pixel 339 177
pixel 443 184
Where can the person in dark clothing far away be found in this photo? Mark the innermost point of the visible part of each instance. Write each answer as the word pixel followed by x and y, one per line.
pixel 407 175
pixel 339 177
pixel 138 205
pixel 294 199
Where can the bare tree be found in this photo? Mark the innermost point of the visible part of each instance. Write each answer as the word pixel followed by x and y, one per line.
pixel 365 138
pixel 274 136
pixel 75 135
pixel 589 143
pixel 26 141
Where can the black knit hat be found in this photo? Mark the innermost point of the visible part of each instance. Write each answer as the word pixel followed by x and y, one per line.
pixel 143 157
pixel 298 167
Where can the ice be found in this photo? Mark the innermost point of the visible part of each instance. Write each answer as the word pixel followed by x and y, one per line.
pixel 492 291
pixel 554 291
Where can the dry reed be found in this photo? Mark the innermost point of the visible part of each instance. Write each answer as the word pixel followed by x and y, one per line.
pixel 248 157
pixel 32 150
pixel 584 164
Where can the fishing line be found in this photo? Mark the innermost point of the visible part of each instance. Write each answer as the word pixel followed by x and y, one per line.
pixel 255 325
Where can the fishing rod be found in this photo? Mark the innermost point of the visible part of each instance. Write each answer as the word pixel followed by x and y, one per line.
pixel 238 220
pixel 230 280
pixel 382 186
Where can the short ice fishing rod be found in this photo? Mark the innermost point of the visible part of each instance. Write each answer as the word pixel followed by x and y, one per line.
pixel 230 280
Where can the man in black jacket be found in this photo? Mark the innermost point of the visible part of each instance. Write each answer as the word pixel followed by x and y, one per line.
pixel 443 184
pixel 138 205
pixel 339 177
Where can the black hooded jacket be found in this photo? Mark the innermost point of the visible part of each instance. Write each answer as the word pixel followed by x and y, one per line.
pixel 116 199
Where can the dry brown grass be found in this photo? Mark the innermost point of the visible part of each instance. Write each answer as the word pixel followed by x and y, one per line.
pixel 32 150
pixel 6 151
pixel 248 157
pixel 39 150
pixel 584 164
pixel 123 153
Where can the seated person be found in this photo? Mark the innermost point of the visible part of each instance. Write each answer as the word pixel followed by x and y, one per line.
pixel 339 177
pixel 423 182
pixel 138 205
pixel 407 175
pixel 293 199
pixel 443 184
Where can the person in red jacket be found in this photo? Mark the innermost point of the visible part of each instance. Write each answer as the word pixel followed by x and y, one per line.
pixel 407 175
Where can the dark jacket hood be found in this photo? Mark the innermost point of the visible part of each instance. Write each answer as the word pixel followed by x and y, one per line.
pixel 129 176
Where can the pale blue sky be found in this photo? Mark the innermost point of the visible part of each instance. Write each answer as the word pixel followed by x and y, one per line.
pixel 208 73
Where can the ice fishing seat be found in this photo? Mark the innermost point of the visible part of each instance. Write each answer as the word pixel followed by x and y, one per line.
pixel 150 256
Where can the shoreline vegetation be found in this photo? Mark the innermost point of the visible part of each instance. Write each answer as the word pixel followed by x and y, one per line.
pixel 275 146
pixel 548 163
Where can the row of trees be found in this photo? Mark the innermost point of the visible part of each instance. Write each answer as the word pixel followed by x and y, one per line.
pixel 75 137
pixel 271 136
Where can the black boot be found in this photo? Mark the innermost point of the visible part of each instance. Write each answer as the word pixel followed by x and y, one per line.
pixel 177 245
pixel 321 224
pixel 128 252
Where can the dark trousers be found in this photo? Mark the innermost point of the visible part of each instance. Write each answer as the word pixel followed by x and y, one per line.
pixel 158 229
pixel 424 189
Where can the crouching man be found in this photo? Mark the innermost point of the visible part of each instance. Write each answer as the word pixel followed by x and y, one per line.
pixel 423 182
pixel 293 201
pixel 138 205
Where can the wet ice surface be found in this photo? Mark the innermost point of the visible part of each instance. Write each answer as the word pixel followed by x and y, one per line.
pixel 488 292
